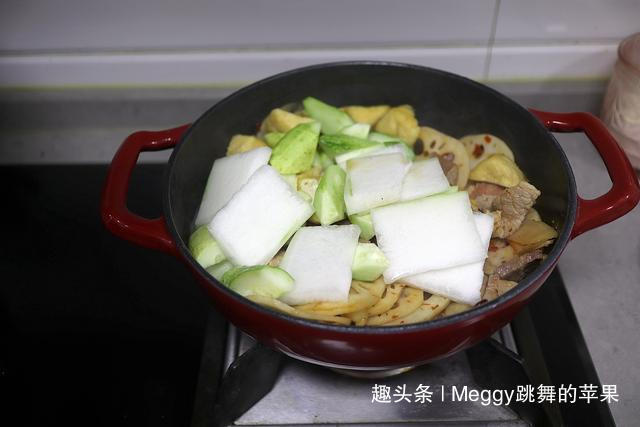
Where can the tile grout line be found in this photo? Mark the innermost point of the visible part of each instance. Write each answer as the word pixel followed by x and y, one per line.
pixel 491 41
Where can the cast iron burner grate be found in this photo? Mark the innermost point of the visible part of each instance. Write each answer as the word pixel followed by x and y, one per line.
pixel 543 345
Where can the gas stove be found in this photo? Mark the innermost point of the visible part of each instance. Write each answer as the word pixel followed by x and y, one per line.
pixel 245 383
pixel 129 337
pixel 100 331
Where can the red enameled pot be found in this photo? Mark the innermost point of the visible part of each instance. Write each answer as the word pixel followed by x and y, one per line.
pixel 450 103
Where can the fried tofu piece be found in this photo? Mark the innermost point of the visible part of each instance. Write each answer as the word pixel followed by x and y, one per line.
pixel 280 120
pixel 369 115
pixel 242 143
pixel 401 122
pixel 497 169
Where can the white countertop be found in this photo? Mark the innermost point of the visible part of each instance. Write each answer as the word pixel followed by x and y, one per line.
pixel 601 269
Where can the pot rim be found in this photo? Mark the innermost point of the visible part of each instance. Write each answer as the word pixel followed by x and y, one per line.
pixel 464 317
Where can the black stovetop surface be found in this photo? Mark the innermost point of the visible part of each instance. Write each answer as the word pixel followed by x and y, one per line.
pixel 97 331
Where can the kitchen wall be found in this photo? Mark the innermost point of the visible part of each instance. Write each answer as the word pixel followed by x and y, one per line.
pixel 64 43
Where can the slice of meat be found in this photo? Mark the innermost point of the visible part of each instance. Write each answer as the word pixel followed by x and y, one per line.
pixel 517 263
pixel 513 205
pixel 499 252
pixel 452 175
pixel 448 167
pixel 446 161
pixel 484 194
pixel 496 287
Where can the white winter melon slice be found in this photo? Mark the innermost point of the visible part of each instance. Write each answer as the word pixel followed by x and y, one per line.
pixel 374 181
pixel 259 218
pixel 425 177
pixel 227 175
pixel 463 283
pixel 375 150
pixel 426 234
pixel 319 259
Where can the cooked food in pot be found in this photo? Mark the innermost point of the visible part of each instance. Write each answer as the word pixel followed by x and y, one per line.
pixel 360 216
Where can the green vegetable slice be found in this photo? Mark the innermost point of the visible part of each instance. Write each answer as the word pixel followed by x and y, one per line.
pixel 382 137
pixel 294 152
pixel 368 262
pixel 331 119
pixel 363 220
pixel 329 197
pixel 334 145
pixel 218 270
pixel 258 280
pixel 323 160
pixel 358 130
pixel 272 138
pixel 389 140
pixel 204 248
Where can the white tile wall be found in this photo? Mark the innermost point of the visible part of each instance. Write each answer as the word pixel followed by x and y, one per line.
pixel 566 20
pixel 214 42
pixel 552 62
pixel 161 24
pixel 206 68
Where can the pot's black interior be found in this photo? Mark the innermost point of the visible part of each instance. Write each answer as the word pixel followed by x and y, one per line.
pixel 447 102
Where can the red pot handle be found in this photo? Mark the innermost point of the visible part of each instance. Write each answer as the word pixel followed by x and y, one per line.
pixel 625 191
pixel 150 233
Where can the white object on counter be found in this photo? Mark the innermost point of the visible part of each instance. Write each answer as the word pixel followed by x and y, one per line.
pixel 621 106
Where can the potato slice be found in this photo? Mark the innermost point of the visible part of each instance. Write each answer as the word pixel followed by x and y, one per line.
pixel 375 288
pixel 280 120
pixel 409 301
pixel 522 249
pixel 401 122
pixel 532 235
pixel 497 169
pixel 308 186
pixel 315 172
pixel 359 318
pixel 455 308
pixel 532 231
pixel 369 115
pixel 436 143
pixel 481 146
pixel 285 308
pixel 243 143
pixel 307 183
pixel 496 287
pixel 389 298
pixel 359 299
pixel 429 309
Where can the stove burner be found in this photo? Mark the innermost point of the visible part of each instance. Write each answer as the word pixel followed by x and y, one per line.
pixel 382 373
pixel 262 387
